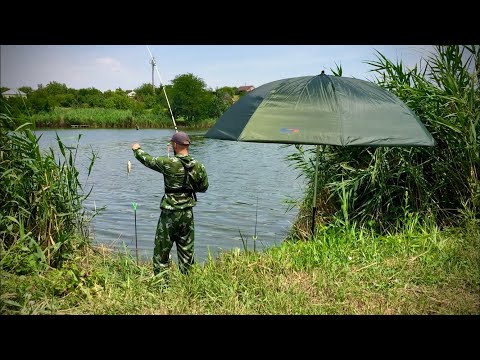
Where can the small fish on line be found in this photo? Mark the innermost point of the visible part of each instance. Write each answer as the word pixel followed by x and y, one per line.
pixel 129 167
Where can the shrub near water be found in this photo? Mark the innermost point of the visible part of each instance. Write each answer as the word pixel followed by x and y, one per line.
pixel 61 117
pixel 380 185
pixel 100 118
pixel 41 206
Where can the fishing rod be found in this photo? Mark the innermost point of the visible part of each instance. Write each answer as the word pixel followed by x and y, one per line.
pixel 129 164
pixel 134 206
pixel 163 87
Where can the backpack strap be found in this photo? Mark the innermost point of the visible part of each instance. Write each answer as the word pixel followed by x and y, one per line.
pixel 184 188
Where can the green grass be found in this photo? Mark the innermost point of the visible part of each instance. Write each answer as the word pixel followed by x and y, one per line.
pixel 42 200
pixel 343 271
pixel 61 117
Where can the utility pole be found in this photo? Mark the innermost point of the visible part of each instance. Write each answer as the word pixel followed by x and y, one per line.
pixel 153 66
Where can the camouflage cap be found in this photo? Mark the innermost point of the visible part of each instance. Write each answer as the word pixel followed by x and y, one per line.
pixel 180 138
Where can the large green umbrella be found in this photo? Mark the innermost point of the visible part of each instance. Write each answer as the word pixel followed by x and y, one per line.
pixel 319 110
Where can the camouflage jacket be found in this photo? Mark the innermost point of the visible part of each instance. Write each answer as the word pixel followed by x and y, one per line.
pixel 173 170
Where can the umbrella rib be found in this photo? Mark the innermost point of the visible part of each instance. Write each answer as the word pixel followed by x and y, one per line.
pixel 340 118
pixel 301 93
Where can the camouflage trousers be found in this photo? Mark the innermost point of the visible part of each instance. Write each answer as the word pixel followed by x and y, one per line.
pixel 174 226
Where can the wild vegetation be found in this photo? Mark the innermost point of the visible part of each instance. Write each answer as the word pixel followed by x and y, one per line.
pixel 381 187
pixel 343 270
pixel 55 105
pixel 42 220
pixel 398 231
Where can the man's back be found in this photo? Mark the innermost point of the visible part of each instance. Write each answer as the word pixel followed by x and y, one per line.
pixel 173 169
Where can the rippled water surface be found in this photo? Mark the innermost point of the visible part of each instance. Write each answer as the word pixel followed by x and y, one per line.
pixel 239 173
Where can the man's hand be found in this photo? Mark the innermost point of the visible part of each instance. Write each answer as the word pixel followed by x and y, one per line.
pixel 135 146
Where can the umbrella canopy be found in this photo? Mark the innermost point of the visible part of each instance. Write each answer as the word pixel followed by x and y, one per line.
pixel 322 109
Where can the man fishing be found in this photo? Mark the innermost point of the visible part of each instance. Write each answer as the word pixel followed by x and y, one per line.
pixel 183 177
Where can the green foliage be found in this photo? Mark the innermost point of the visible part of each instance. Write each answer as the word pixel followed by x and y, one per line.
pixel 24 255
pixel 146 97
pixel 26 89
pixel 377 186
pixel 222 100
pixel 118 101
pixel 39 103
pixel 12 106
pixel 144 90
pixel 445 95
pixel 41 206
pixel 338 71
pixel 189 98
pixel 103 118
pixel 90 97
pixel 55 88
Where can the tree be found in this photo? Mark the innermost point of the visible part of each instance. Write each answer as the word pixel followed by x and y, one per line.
pixel 222 100
pixel 145 95
pixel 190 99
pixel 144 90
pixel 26 89
pixel 55 88
pixel 160 95
pixel 118 101
pixel 38 101
pixel 90 97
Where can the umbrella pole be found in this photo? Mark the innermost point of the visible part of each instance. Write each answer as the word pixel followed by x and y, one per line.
pixel 314 210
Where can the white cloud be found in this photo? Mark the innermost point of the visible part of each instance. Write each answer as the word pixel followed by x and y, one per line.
pixel 110 62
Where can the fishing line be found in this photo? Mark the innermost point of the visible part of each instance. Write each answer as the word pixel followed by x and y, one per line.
pixel 163 87
pixel 129 164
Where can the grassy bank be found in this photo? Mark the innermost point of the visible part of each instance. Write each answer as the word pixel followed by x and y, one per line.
pixel 343 271
pixel 62 117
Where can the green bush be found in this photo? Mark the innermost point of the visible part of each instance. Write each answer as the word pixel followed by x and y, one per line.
pixel 380 186
pixel 41 208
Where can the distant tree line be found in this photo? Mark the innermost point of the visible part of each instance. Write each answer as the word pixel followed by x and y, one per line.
pixel 188 96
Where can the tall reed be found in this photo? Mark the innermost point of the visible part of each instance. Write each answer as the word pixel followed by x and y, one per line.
pixel 41 212
pixel 380 186
pixel 100 118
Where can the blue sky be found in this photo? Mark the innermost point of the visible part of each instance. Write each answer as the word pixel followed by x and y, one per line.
pixel 107 67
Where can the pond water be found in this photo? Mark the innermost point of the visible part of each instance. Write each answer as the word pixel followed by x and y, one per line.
pixel 240 175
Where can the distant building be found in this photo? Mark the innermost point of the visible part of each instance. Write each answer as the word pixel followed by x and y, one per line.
pixel 131 94
pixel 246 88
pixel 13 93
